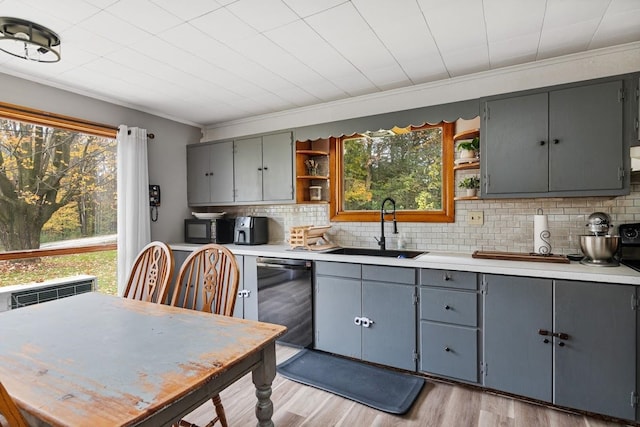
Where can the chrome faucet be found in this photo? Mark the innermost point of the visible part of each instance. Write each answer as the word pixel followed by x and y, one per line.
pixel 383 212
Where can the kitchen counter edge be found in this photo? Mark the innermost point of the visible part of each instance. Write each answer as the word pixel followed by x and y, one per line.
pixel 449 261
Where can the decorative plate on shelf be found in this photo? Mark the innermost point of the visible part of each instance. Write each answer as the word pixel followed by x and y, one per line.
pixel 208 215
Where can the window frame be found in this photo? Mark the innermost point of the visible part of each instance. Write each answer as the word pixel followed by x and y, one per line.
pixel 445 215
pixel 44 118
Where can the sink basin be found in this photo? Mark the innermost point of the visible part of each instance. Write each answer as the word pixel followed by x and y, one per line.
pixel 390 253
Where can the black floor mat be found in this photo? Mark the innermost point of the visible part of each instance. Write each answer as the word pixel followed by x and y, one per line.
pixel 379 388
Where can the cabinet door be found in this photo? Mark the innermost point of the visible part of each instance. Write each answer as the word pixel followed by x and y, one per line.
pixel 277 167
pixel 247 173
pixel 585 138
pixel 250 284
pixel 517 360
pixel 515 149
pixel 198 169
pixel 391 339
pixel 221 175
pixel 595 369
pixel 337 304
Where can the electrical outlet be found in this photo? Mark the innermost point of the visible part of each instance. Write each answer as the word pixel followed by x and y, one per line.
pixel 475 218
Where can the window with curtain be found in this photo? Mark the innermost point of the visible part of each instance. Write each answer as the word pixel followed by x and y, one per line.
pixel 57 191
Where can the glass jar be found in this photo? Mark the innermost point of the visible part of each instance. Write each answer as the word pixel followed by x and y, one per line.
pixel 315 193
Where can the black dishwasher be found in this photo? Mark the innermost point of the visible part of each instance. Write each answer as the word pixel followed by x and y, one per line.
pixel 285 298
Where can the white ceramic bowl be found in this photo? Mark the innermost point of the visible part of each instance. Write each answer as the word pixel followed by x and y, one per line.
pixel 208 215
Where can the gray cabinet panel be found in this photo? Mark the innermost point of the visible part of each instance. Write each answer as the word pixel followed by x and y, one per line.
pixel 248 169
pixel 277 167
pixel 449 350
pixel 515 161
pixel 337 303
pixel 516 357
pixel 449 279
pixel 341 269
pixel 249 282
pixel 390 340
pixel 589 155
pixel 389 274
pixel 595 368
pixel 197 181
pixel 221 175
pixel 443 305
pixel 210 173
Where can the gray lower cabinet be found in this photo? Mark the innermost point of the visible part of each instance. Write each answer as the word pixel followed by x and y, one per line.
pixel 516 358
pixel 366 312
pixel 210 173
pixel 566 342
pixel 263 168
pixel 247 301
pixel 561 142
pixel 449 331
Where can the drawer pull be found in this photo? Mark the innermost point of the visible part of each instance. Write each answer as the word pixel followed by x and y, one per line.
pixel 447 349
pixel 357 321
pixel 447 277
pixel 447 307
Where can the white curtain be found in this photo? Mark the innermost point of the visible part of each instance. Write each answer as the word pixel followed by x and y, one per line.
pixel 134 230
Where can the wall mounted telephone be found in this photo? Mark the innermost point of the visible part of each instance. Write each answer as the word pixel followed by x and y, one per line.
pixel 154 201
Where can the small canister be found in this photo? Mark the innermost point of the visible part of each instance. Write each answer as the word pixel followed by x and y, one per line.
pixel 315 193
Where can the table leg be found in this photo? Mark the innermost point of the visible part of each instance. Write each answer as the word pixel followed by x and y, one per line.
pixel 263 376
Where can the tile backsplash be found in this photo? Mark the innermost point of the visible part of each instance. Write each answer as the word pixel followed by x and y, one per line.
pixel 508 223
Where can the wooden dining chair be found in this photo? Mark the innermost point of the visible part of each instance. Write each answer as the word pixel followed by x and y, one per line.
pixel 208 281
pixel 151 273
pixel 9 410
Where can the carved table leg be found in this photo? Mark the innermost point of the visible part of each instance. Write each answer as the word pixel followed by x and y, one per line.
pixel 263 376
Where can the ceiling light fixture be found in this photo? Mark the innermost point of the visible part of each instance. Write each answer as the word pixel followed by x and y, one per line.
pixel 28 40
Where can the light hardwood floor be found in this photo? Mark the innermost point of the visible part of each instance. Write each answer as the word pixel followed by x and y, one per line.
pixel 438 405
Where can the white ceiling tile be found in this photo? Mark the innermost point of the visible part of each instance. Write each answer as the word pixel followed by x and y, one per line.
pixel 144 14
pixel 72 11
pixel 512 51
pixel 620 24
pixel 567 39
pixel 108 26
pixel 263 15
pixel 466 61
pixel 224 26
pixel 187 10
pixel 306 8
pixel 510 19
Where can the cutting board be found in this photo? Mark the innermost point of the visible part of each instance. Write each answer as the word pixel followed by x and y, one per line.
pixel 520 256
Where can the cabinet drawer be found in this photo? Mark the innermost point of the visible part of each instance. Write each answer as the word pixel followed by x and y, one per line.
pixel 449 279
pixel 449 350
pixel 443 305
pixel 341 269
pixel 389 274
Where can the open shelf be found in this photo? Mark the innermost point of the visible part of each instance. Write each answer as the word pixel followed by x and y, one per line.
pixel 313 152
pixel 467 134
pixel 466 166
pixel 466 198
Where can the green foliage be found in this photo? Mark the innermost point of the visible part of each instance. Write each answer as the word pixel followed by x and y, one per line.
pixel 43 170
pixel 469 182
pixel 407 167
pixel 473 145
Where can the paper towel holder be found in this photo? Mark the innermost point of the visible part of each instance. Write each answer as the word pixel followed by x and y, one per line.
pixel 542 243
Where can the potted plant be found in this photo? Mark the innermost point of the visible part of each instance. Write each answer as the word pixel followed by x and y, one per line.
pixel 469 149
pixel 471 184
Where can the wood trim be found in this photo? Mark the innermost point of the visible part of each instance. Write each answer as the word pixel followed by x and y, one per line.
pixel 44 118
pixel 447 214
pixel 36 253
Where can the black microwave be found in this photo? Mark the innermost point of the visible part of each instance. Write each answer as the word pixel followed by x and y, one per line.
pixel 219 230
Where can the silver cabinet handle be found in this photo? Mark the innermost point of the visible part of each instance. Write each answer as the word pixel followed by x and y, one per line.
pixel 357 320
pixel 245 293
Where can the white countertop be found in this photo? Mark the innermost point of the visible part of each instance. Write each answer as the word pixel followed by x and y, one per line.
pixel 450 261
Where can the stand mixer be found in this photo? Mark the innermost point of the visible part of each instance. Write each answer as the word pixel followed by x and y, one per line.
pixel 599 247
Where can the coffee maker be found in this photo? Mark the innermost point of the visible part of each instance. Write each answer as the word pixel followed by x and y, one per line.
pixel 251 230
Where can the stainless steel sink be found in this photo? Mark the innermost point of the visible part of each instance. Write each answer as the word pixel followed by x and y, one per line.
pixel 390 253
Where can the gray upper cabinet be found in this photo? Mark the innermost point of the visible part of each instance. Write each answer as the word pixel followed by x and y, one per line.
pixel 210 173
pixel 264 168
pixel 366 312
pixel 565 142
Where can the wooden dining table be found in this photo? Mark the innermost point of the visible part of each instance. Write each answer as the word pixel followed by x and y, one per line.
pixel 100 360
